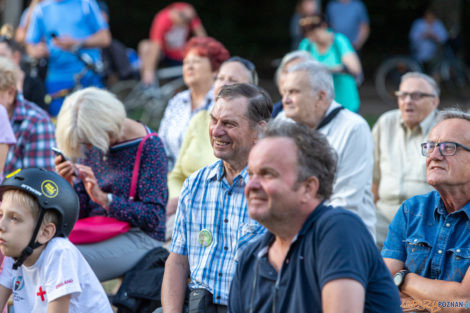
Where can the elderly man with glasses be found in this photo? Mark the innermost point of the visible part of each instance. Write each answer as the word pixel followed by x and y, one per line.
pixel 428 245
pixel 399 172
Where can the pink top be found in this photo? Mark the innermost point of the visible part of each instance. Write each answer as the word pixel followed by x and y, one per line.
pixel 6 133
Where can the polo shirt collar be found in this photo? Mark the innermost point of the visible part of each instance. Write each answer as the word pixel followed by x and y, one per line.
pixel 268 237
pixel 333 105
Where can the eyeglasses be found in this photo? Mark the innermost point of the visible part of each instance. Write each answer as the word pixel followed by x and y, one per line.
pixel 446 148
pixel 415 96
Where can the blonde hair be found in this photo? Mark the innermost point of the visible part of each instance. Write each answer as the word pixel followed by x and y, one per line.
pixel 25 200
pixel 89 116
pixel 8 74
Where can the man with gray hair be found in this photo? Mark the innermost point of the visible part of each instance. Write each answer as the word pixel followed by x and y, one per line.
pixel 308 95
pixel 212 221
pixel 427 246
pixel 287 61
pixel 399 171
pixel 315 258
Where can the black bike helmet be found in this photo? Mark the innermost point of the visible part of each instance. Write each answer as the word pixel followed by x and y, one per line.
pixel 52 193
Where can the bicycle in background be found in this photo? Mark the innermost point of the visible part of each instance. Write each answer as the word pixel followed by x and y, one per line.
pixel 449 71
pixel 147 103
pixel 95 67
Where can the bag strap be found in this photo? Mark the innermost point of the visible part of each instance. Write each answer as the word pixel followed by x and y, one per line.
pixel 329 117
pixel 135 172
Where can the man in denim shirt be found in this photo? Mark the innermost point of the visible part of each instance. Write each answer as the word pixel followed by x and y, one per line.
pixel 428 244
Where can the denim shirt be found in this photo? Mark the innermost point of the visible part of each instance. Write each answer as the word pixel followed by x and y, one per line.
pixel 432 243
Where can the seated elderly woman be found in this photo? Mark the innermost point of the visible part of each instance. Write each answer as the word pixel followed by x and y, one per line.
pixel 202 59
pixel 94 132
pixel 196 150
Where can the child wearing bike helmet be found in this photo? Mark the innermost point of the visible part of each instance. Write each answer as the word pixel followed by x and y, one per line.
pixel 43 269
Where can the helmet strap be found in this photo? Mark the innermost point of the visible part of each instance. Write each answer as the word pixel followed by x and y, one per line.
pixel 33 244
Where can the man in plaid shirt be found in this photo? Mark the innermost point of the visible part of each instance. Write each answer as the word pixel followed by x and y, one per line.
pixel 212 221
pixel 32 126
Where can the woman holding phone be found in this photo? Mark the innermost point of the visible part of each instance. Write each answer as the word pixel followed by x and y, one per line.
pixel 101 143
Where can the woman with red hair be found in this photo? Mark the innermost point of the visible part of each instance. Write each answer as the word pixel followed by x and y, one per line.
pixel 202 59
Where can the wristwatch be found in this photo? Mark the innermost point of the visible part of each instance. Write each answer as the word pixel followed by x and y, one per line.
pixel 399 277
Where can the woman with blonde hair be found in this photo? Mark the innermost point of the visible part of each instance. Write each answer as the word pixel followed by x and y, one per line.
pixel 102 143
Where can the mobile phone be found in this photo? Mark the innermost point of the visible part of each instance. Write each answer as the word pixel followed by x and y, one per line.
pixel 59 152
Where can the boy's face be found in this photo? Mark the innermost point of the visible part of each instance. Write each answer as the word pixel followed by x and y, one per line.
pixel 16 227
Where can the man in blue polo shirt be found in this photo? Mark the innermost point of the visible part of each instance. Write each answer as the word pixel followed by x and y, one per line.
pixel 350 18
pixel 57 29
pixel 315 258
pixel 428 242
pixel 212 221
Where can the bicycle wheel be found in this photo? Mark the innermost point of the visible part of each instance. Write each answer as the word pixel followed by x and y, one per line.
pixel 389 73
pixel 454 76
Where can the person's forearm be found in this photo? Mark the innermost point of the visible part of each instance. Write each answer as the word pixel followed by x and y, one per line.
pixel 150 60
pixel 174 283
pixel 364 31
pixel 100 39
pixel 421 288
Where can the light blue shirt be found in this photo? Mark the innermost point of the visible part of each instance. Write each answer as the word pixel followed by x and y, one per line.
pixel 424 49
pixel 431 242
pixel 78 19
pixel 209 205
pixel 347 17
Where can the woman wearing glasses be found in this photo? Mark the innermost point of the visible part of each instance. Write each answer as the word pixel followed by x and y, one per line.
pixel 196 151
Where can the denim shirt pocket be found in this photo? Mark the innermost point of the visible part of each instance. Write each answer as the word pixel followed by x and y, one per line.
pixel 458 261
pixel 417 250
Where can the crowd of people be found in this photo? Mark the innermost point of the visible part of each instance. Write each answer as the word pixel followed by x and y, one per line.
pixel 294 206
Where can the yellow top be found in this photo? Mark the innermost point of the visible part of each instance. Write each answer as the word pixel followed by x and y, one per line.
pixel 195 153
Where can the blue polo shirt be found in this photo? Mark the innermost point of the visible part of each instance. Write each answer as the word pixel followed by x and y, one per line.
pixel 432 243
pixel 332 244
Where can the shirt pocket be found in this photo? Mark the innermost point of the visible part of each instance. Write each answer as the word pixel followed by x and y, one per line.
pixel 458 263
pixel 417 251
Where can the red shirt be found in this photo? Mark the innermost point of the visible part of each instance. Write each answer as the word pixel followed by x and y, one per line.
pixel 172 37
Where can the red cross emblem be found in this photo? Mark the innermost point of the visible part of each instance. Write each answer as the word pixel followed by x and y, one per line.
pixel 41 293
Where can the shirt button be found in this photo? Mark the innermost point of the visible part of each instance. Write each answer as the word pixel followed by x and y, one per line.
pixel 218 297
pixel 447 225
pixel 225 248
pixel 439 251
pixel 416 240
pixel 229 192
pixel 287 261
pixel 220 274
pixel 457 258
pixel 225 220
pixel 458 250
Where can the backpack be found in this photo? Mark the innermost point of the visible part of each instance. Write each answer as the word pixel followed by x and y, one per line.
pixel 140 291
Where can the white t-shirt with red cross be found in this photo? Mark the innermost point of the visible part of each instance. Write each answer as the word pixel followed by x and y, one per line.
pixel 60 270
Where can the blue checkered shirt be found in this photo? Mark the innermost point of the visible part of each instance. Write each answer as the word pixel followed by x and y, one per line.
pixel 35 136
pixel 208 202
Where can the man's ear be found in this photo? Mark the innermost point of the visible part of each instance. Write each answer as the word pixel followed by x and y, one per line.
pixel 46 233
pixel 260 129
pixel 312 184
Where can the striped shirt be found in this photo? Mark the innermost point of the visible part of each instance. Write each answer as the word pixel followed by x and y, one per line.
pixel 212 224
pixel 35 136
